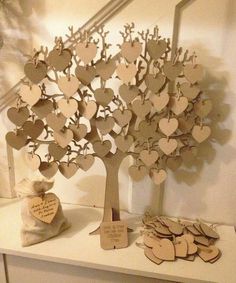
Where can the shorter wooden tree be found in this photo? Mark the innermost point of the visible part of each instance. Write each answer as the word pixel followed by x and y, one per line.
pixel 59 107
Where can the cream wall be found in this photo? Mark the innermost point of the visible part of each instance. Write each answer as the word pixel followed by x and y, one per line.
pixel 206 189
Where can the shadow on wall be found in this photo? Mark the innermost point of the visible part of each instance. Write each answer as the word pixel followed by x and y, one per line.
pixel 215 86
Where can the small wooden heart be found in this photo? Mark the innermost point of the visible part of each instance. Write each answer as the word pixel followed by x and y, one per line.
pixel 181 247
pixel 126 73
pixel 105 69
pixel 149 254
pixel 193 73
pixel 189 91
pixel 59 59
pixel 85 74
pixel 167 145
pixel 155 82
pixel 192 248
pixel 68 170
pixel 44 208
pixel 186 124
pixel 122 117
pixel 18 116
pixel 168 126
pixel 48 169
pixel 63 138
pixel 160 101
pixel 17 140
pixel 164 250
pixel 203 108
pixel 148 157
pixel 141 108
pixel 103 96
pixel 128 93
pixel 102 148
pixel 79 131
pixel 131 50
pixel 207 253
pixel 85 162
pixel 147 129
pixel 33 161
pixel 178 104
pixel 56 121
pixel 189 155
pixel 30 94
pixel 124 143
pixel 86 51
pixel 137 173
pixel 56 151
pixel 33 129
pixel 208 231
pixel 36 73
pixel 200 134
pixel 158 176
pixel 105 125
pixel 174 163
pixel 172 71
pixel 42 108
pixel 156 48
pixel 68 86
pixel 68 107
pixel 87 109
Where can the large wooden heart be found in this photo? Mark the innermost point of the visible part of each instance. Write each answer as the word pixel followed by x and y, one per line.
pixel 56 121
pixel 56 151
pixel 158 176
pixel 17 140
pixel 137 173
pixel 105 125
pixel 164 250
pixel 200 134
pixel 59 59
pixel 79 131
pixel 167 145
pixel 160 101
pixel 178 104
pixel 149 157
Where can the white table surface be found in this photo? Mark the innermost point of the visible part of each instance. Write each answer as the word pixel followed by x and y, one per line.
pixel 76 247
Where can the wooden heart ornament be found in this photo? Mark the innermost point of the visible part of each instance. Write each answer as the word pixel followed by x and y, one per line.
pixel 167 145
pixel 48 169
pixel 172 71
pixel 33 129
pixel 56 151
pixel 30 94
pixel 141 108
pixel 102 148
pixel 189 91
pixel 44 208
pixel 16 140
pixel 168 126
pixel 158 176
pixel 131 50
pixel 36 73
pixel 137 173
pixel 87 109
pixel 200 134
pixel 86 51
pixel 33 161
pixel 160 101
pixel 128 93
pixel 207 253
pixel 85 74
pixel 156 48
pixel 59 59
pixel 105 125
pixel 68 107
pixel 155 82
pixel 68 169
pixel 85 162
pixel 124 143
pixel 42 108
pixel 18 116
pixel 103 96
pixel 122 117
pixel 126 73
pixel 193 73
pixel 79 131
pixel 164 250
pixel 148 157
pixel 105 69
pixel 203 108
pixel 178 104
pixel 56 121
pixel 63 138
pixel 68 85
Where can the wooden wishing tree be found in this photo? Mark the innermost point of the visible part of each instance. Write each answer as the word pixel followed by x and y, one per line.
pixel 59 108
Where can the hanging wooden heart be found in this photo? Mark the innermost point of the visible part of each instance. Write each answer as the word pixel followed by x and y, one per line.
pixel 189 91
pixel 86 51
pixel 85 162
pixel 126 73
pixel 36 73
pixel 59 59
pixel 85 74
pixel 18 116
pixel 56 151
pixel 124 143
pixel 178 104
pixel 155 48
pixel 87 109
pixel 167 145
pixel 189 155
pixel 30 94
pixel 203 108
pixel 164 250
pixel 137 173
pixel 131 50
pixel 48 169
pixel 147 129
pixel 68 107
pixel 160 101
pixel 102 148
pixel 103 96
pixel 68 170
pixel 174 162
pixel 122 117
pixel 33 129
pixel 158 176
pixel 172 71
pixel 168 126
pixel 105 125
pixel 68 85
pixel 63 138
pixel 17 140
pixel 105 69
pixel 42 108
pixel 33 161
pixel 148 157
pixel 56 121
pixel 208 231
pixel 79 131
pixel 128 93
pixel 186 124
pixel 141 108
pixel 193 73
pixel 200 134
pixel 155 82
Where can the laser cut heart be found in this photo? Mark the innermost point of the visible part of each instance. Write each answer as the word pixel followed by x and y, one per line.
pixel 158 176
pixel 105 69
pixel 56 121
pixel 167 145
pixel 36 73
pixel 124 143
pixel 147 129
pixel 122 117
pixel 208 231
pixel 85 74
pixel 85 162
pixel 102 148
pixel 160 101
pixel 137 173
pixel 79 131
pixel 156 48
pixel 17 140
pixel 141 108
pixel 56 151
pixel 192 248
pixel 189 91
pixel 193 73
pixel 131 50
pixel 174 163
pixel 128 93
pixel 86 51
pixel 68 107
pixel 68 86
pixel 18 116
pixel 203 108
pixel 33 161
pixel 207 253
pixel 149 254
pixel 30 94
pixel 48 169
pixel 149 157
pixel 33 129
pixel 68 170
pixel 178 104
pixel 59 59
pixel 186 124
pixel 42 108
pixel 172 71
pixel 105 125
pixel 200 134
pixel 181 247
pixel 126 73
pixel 87 109
pixel 63 138
pixel 168 126
pixel 155 82
pixel 164 250
pixel 103 96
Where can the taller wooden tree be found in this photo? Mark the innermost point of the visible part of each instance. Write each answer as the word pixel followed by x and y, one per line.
pixel 58 107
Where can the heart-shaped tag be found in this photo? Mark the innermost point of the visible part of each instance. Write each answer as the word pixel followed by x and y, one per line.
pixel 122 117
pixel 208 231
pixel 189 91
pixel 207 253
pixel 158 176
pixel 68 107
pixel 102 148
pixel 181 247
pixel 178 104
pixel 30 94
pixel 87 109
pixel 63 138
pixel 68 170
pixel 126 73
pixel 59 59
pixel 18 116
pixel 172 71
pixel 147 129
pixel 131 50
pixel 174 227
pixel 79 131
pixel 137 173
pixel 68 86
pixel 56 121
pixel 128 93
pixel 202 240
pixel 124 143
pixel 189 155
pixel 33 129
pixel 156 48
pixel 174 163
pixel 35 72
pixel 33 161
pixel 42 108
pixel 149 254
pixel 186 124
pixel 48 169
pixel 164 250
pixel 167 145
pixel 168 126
pixel 56 151
pixel 86 51
pixel 105 69
pixel 85 162
pixel 192 248
pixel 203 108
pixel 141 108
pixel 103 96
pixel 162 230
pixel 105 125
pixel 150 240
pixel 148 157
pixel 155 82
pixel 200 134
pixel 160 101
pixel 85 74
pixel 44 208
pixel 193 73
pixel 17 140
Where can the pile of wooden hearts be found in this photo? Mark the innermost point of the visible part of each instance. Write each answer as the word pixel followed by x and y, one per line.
pixel 167 240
